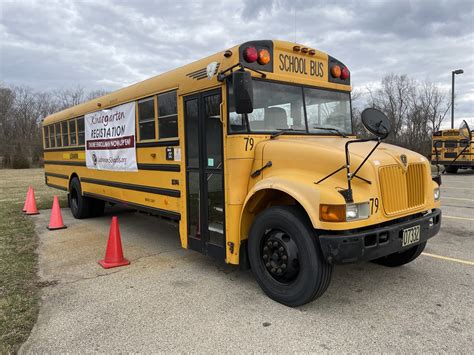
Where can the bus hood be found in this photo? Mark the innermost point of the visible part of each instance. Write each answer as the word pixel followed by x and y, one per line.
pixel 320 156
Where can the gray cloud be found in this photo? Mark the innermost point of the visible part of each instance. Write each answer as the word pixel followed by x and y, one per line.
pixel 110 44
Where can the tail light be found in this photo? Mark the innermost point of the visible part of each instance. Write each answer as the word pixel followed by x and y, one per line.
pixel 263 56
pixel 336 71
pixel 344 73
pixel 250 54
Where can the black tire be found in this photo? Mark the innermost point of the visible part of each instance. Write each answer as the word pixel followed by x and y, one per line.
pixel 307 275
pixel 401 258
pixel 451 169
pixel 79 204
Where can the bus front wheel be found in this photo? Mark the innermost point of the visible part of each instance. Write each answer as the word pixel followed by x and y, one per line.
pixel 286 258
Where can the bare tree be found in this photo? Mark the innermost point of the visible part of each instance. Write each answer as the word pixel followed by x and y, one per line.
pixel 394 98
pixel 70 97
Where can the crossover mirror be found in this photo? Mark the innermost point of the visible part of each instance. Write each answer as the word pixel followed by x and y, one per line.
pixel 465 131
pixel 243 91
pixel 376 122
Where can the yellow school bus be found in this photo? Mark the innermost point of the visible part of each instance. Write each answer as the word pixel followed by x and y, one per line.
pixel 251 151
pixel 452 150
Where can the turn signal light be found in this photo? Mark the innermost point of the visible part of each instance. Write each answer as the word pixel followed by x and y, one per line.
pixel 250 54
pixel 332 213
pixel 263 56
pixel 344 73
pixel 335 71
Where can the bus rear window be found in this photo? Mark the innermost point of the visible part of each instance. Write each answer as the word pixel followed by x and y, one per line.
pixel 46 136
pixel 450 144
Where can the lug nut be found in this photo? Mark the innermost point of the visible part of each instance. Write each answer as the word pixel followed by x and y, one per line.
pixel 284 257
pixel 273 269
pixel 283 266
pixel 275 244
pixel 265 248
pixel 281 249
pixel 269 244
pixel 265 257
pixel 279 271
pixel 267 264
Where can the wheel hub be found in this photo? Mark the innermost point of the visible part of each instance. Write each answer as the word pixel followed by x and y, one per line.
pixel 280 255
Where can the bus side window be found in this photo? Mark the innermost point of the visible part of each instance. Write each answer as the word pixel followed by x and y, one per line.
pixel 57 128
pixel 80 130
pixel 146 118
pixel 167 115
pixel 72 132
pixel 46 136
pixel 52 139
pixel 64 134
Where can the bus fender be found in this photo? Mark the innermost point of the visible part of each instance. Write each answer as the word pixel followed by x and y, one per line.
pixel 306 193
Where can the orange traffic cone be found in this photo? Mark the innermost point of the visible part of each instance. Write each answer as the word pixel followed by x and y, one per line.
pixel 31 204
pixel 27 198
pixel 56 220
pixel 114 254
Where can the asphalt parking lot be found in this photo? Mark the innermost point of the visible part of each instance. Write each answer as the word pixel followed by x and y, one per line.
pixel 170 299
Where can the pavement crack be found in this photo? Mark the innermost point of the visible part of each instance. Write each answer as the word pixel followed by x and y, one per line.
pixel 156 254
pixel 92 277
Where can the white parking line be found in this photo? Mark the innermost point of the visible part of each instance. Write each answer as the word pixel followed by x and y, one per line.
pixel 455 188
pixel 463 218
pixel 467 262
pixel 456 198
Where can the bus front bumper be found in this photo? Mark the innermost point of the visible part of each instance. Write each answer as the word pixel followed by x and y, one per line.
pixel 377 242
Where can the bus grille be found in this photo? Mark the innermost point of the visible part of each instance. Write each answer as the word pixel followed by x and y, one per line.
pixel 402 191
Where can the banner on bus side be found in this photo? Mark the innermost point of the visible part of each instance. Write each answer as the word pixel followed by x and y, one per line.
pixel 110 139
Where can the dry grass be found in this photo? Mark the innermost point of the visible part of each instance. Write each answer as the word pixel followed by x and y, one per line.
pixel 18 260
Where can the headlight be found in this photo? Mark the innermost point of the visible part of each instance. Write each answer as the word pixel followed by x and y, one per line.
pixel 355 211
pixel 437 194
pixel 344 213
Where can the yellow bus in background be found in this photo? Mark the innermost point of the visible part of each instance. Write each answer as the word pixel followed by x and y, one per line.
pixel 447 144
pixel 251 151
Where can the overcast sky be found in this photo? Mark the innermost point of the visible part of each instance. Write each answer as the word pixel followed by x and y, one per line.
pixel 107 44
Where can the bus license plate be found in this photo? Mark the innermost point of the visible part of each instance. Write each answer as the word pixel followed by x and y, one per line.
pixel 411 235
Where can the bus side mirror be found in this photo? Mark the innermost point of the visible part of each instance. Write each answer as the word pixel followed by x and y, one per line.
pixel 376 122
pixel 465 131
pixel 243 91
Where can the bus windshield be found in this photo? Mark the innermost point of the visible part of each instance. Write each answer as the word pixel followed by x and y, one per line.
pixel 288 107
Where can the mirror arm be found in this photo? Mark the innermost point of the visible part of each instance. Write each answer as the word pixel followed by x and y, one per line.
pixel 379 140
pixel 437 156
pixel 221 76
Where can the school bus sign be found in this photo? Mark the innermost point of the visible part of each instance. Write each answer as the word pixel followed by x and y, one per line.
pixel 110 139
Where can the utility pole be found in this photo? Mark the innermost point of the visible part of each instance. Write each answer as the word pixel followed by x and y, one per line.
pixel 453 73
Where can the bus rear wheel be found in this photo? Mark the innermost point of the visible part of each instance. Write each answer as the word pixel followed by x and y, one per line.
pixel 451 169
pixel 285 256
pixel 79 204
pixel 402 258
pixel 82 206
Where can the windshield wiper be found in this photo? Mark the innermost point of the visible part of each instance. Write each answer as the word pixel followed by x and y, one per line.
pixel 331 129
pixel 285 130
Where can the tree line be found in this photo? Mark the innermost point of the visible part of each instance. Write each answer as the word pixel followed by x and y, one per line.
pixel 414 109
pixel 22 111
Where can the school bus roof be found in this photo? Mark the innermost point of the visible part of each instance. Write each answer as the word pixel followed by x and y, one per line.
pixel 184 79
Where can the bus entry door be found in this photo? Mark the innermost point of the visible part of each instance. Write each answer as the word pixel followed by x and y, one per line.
pixel 205 173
